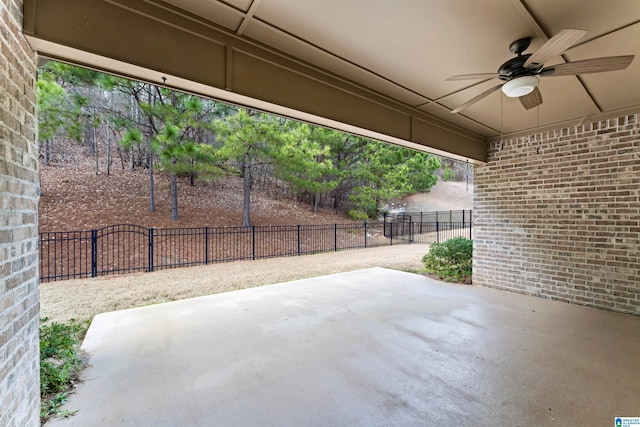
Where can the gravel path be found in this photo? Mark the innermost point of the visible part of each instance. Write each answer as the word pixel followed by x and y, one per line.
pixel 82 299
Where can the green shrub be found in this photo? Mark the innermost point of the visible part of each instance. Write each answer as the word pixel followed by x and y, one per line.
pixel 448 175
pixel 358 215
pixel 60 364
pixel 451 260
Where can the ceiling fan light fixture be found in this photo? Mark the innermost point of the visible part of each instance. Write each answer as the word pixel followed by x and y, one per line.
pixel 520 86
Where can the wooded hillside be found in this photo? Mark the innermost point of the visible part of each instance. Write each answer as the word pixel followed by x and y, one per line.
pixel 143 129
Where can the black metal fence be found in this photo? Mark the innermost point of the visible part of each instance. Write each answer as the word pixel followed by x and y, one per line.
pixel 125 248
pixel 433 216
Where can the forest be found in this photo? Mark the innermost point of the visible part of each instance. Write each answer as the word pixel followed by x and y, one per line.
pixel 135 125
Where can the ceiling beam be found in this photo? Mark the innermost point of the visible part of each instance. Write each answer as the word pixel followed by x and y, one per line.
pixel 248 16
pixel 153 41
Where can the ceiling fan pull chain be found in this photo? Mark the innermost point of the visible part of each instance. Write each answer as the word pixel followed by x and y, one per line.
pixel 502 120
pixel 538 136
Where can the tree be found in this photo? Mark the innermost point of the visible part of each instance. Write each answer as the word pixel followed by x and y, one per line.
pixel 421 168
pixel 304 161
pixel 385 171
pixel 58 113
pixel 181 116
pixel 173 125
pixel 249 139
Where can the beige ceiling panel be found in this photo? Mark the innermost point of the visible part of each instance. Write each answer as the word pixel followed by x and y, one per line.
pixel 259 79
pixel 614 89
pixel 415 43
pixel 211 10
pixel 298 48
pixel 240 4
pixel 596 16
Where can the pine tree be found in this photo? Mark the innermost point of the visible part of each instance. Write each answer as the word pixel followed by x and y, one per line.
pixel 249 139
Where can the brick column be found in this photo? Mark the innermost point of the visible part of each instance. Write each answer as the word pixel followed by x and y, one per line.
pixel 19 192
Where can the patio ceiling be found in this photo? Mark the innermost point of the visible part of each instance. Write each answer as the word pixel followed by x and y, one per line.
pixel 374 67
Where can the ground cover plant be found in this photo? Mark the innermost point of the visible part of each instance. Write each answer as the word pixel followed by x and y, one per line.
pixel 60 365
pixel 450 260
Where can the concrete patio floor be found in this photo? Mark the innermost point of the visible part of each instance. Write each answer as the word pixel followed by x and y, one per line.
pixel 374 347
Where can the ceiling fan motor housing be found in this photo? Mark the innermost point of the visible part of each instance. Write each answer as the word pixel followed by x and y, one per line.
pixel 515 68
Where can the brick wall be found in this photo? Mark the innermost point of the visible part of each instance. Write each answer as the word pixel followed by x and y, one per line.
pixel 558 216
pixel 19 352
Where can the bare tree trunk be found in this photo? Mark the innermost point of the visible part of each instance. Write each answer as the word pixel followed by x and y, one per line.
pixel 95 144
pixel 88 142
pixel 152 198
pixel 131 163
pixel 192 175
pixel 47 153
pixel 108 152
pixel 120 155
pixel 174 193
pixel 316 198
pixel 246 206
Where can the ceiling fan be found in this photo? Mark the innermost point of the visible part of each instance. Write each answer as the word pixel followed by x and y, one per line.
pixel 519 75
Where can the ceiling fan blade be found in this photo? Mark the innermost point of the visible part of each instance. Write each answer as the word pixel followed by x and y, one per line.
pixel 555 46
pixel 477 76
pixel 477 98
pixel 532 99
pixel 593 65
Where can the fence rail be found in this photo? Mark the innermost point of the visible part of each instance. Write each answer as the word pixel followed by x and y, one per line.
pixel 125 248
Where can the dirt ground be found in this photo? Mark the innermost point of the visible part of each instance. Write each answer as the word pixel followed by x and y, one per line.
pixel 75 198
pixel 82 299
pixel 78 199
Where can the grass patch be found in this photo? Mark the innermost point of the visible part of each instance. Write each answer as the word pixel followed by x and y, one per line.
pixel 60 365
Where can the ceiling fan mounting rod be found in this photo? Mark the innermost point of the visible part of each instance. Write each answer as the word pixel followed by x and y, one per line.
pixel 520 45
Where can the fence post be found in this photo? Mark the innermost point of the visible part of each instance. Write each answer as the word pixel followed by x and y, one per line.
pixel 94 253
pixel 335 237
pixel 410 231
pixel 463 221
pixel 253 242
pixel 470 227
pixel 150 261
pixel 298 239
pixel 437 232
pixel 450 220
pixel 384 224
pixel 206 245
pixel 365 234
pixel 391 233
pixel 421 219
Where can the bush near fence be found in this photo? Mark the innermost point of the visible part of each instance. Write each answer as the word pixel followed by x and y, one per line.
pixel 126 248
